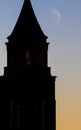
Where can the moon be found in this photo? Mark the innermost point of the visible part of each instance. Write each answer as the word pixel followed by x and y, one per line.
pixel 57 16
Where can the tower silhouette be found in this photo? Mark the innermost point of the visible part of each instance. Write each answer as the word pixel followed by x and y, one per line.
pixel 29 97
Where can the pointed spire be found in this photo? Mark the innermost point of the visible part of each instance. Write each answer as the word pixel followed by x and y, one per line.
pixel 27 26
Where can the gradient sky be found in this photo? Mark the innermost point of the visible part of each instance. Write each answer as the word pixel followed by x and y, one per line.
pixel 61 22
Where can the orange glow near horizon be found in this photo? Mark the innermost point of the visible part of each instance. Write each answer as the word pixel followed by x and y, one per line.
pixel 68 106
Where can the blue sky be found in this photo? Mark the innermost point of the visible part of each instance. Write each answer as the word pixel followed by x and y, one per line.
pixel 61 22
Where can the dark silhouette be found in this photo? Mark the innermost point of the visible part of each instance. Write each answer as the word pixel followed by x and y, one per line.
pixel 28 98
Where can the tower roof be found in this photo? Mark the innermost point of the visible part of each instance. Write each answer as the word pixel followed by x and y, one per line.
pixel 27 26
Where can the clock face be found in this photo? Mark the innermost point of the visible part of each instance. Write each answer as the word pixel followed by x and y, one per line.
pixel 28 57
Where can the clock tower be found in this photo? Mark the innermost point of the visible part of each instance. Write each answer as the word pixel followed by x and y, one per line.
pixel 30 102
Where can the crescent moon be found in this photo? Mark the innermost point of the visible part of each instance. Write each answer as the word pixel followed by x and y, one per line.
pixel 57 15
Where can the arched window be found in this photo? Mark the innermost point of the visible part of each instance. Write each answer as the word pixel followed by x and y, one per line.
pixel 28 57
pixel 43 114
pixel 11 114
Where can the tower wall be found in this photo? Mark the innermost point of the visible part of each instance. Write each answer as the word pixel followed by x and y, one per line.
pixel 28 103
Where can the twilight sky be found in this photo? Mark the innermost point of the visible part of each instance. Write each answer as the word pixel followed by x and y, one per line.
pixel 61 22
